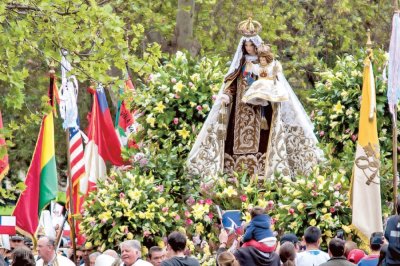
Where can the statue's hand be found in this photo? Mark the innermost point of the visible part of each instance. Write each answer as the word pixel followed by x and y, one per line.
pixel 224 98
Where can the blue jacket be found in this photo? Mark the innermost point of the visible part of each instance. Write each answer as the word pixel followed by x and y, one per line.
pixel 392 234
pixel 258 228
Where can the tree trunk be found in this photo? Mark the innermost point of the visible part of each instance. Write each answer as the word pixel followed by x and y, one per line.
pixel 184 27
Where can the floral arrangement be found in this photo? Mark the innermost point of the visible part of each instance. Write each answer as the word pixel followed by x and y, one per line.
pixel 129 206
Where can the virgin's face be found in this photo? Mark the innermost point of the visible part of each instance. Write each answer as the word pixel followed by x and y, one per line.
pixel 250 48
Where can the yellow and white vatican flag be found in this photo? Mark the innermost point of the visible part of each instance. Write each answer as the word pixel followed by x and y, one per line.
pixel 365 192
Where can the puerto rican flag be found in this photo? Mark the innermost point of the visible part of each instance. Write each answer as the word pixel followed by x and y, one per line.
pixel 103 142
pixel 7 225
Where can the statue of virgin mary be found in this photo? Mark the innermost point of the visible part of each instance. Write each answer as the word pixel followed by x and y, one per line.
pixel 275 137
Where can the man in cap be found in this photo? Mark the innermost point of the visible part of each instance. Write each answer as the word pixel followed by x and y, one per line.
pixel 16 241
pixel 375 243
pixel 291 238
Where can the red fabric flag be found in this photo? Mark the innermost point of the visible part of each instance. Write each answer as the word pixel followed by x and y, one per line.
pixel 103 142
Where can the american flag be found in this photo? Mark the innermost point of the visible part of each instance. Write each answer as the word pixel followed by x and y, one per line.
pixel 77 172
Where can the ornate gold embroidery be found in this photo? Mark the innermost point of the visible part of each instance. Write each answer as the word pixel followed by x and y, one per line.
pixel 247 123
pixel 369 164
pixel 252 163
pixel 208 160
pixel 289 152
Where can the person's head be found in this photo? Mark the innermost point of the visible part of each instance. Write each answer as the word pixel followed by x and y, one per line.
pixel 130 251
pixel 249 48
pixel 256 211
pixel 292 238
pixel 265 55
pixel 92 258
pixel 16 241
pixel 287 253
pixel 112 253
pixel 104 260
pixel 227 259
pixel 176 241
pixel 382 254
pixel 356 255
pixel 156 255
pixel 349 246
pixel 376 241
pixel 46 248
pixel 336 247
pixel 312 235
pixel 23 256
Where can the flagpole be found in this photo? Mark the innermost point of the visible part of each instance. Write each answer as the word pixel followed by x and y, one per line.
pixel 71 199
pixel 394 139
pixel 394 146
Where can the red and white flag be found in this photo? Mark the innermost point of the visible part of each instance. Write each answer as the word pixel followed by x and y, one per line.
pixel 7 225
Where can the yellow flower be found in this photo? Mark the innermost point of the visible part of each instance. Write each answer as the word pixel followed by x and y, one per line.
pixel 105 215
pixel 193 104
pixel 178 87
pixel 129 236
pixel 327 217
pixel 300 207
pixel 150 120
pixel 162 219
pixel 230 191
pixel 328 233
pixel 262 203
pixel 247 217
pixel 296 193
pixel 88 245
pixel 199 210
pixel 199 228
pixel 135 194
pixel 183 133
pixel 320 178
pixel 145 251
pixel 142 215
pixel 324 210
pixel 327 203
pixel 160 107
pixel 161 244
pixel 338 108
pixel 293 225
pixel 195 77
pixel 248 189
pixel 149 215
pixel 161 201
pixel 118 214
pixel 313 222
pixel 346 229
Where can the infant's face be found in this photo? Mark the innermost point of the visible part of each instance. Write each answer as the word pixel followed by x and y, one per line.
pixel 263 60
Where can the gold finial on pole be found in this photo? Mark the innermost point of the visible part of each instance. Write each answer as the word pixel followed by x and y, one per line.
pixel 51 68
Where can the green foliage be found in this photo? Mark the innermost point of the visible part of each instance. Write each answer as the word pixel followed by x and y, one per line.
pixel 336 111
pixel 174 101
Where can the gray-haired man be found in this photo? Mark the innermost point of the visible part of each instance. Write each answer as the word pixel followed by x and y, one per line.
pixel 130 254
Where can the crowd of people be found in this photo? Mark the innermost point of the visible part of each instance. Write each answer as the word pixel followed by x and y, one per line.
pixel 258 246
